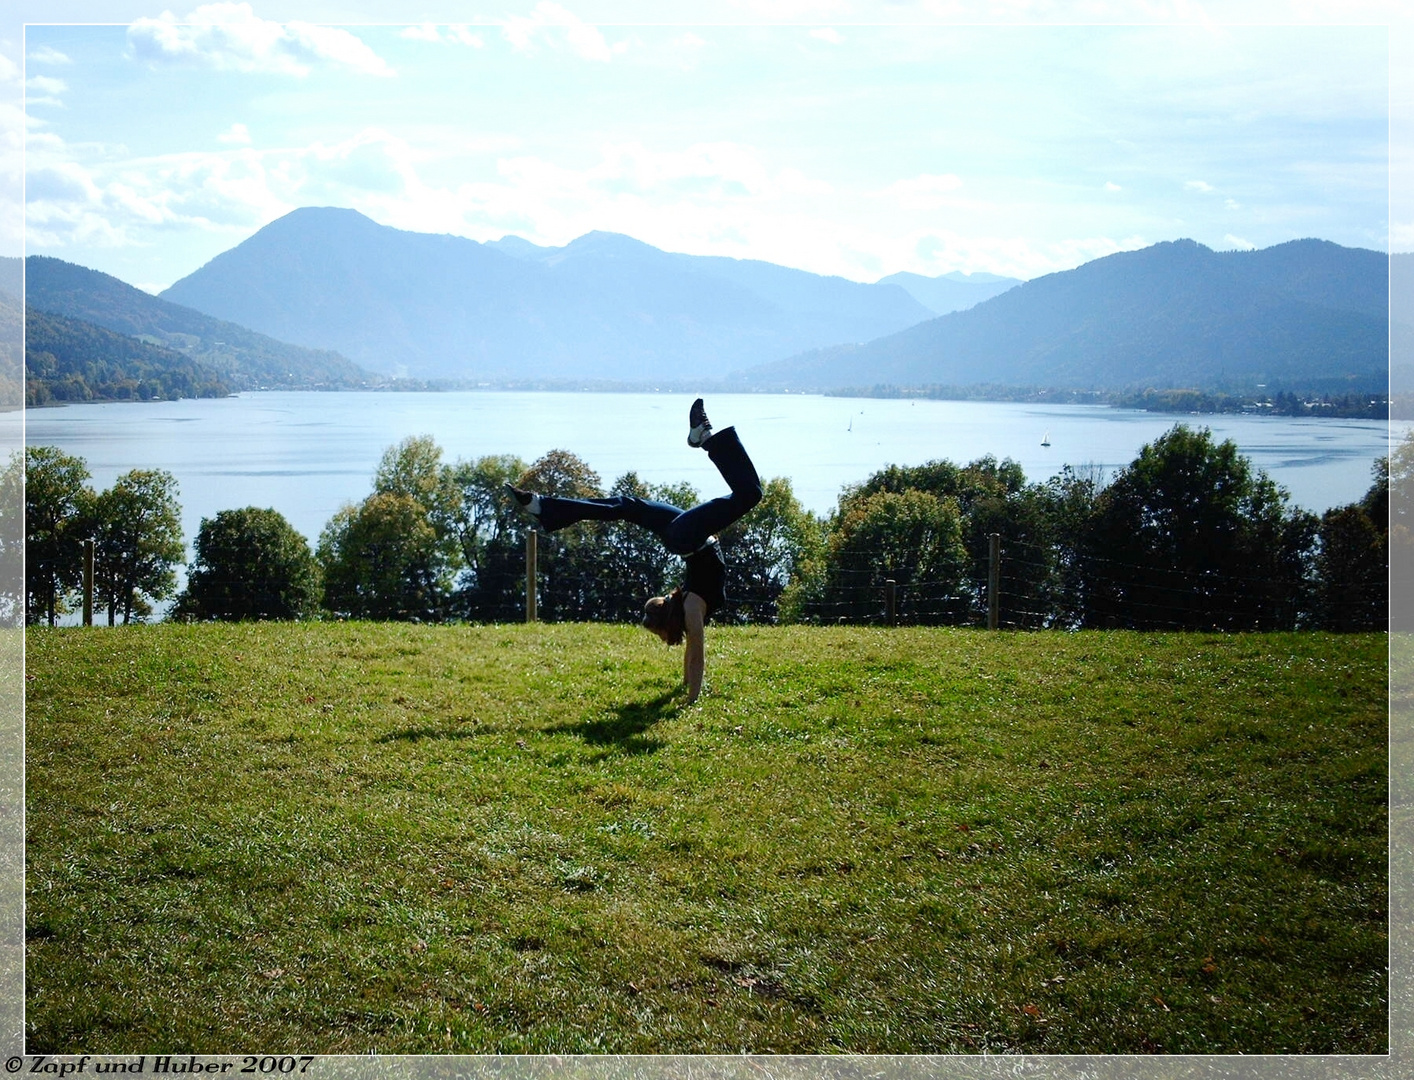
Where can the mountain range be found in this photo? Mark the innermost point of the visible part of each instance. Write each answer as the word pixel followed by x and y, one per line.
pixel 602 307
pixel 1307 315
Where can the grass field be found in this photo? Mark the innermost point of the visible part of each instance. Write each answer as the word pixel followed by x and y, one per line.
pixel 348 838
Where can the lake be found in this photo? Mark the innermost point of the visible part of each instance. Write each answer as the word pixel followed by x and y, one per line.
pixel 307 454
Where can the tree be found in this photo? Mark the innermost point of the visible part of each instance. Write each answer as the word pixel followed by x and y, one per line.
pixel 57 504
pixel 1070 499
pixel 396 554
pixel 490 532
pixel 383 559
pixel 911 537
pixel 250 564
pixel 572 580
pixel 414 468
pixel 990 496
pixel 559 472
pixel 138 542
pixel 1352 571
pixel 1352 567
pixel 768 551
pixel 1189 536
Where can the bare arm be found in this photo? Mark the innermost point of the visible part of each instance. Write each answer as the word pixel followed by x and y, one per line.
pixel 694 662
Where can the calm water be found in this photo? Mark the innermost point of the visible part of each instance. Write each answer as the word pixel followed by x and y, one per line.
pixel 306 454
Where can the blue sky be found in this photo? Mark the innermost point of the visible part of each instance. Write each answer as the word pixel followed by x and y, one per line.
pixel 846 138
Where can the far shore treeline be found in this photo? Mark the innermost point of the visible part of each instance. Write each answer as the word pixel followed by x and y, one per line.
pixel 1187 536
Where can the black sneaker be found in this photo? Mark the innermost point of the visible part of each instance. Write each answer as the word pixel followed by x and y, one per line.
pixel 701 427
pixel 527 500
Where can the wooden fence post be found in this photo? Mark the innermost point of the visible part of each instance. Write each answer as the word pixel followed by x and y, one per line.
pixel 88 582
pixel 994 573
pixel 530 558
pixel 891 602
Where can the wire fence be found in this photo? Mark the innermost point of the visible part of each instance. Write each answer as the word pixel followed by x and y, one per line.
pixel 1036 587
pixel 1023 586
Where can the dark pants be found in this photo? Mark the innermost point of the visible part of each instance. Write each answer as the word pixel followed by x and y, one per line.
pixel 682 531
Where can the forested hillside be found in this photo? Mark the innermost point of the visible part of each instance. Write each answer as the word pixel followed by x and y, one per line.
pixel 11 336
pixel 1401 323
pixel 241 358
pixel 1304 316
pixel 72 360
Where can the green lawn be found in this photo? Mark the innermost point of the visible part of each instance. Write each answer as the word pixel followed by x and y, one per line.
pixel 348 838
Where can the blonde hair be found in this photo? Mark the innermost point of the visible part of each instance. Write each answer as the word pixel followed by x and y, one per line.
pixel 664 616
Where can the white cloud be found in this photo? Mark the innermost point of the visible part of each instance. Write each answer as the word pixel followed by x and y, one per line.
pixel 941 251
pixel 464 35
pixel 44 90
pixel 237 134
pixel 1110 185
pixel 552 25
pixel 829 34
pixel 456 34
pixel 1232 204
pixel 1199 185
pixel 230 37
pixel 421 32
pixel 46 54
pixel 108 202
pixel 1239 242
pixel 9 70
pixel 791 10
pixel 927 192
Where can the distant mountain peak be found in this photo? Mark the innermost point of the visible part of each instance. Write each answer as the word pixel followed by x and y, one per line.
pixel 345 213
pixel 611 244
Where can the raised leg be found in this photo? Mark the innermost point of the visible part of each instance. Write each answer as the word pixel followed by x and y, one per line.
pixel 558 513
pixel 694 527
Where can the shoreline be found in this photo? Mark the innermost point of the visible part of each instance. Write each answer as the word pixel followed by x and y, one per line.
pixel 1167 402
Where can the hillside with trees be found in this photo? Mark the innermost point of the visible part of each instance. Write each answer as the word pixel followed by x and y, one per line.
pixel 1401 324
pixel 11 340
pixel 241 358
pixel 69 360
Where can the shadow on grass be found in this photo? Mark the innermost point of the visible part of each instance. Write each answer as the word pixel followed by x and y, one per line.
pixel 420 733
pixel 625 728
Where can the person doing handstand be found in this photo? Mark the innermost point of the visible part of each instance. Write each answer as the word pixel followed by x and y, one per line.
pixel 682 615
